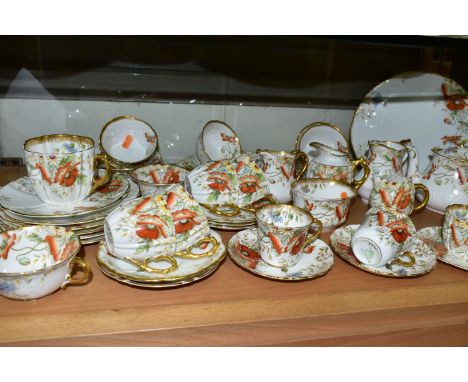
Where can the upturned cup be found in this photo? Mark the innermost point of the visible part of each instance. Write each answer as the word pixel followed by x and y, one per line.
pixel 380 238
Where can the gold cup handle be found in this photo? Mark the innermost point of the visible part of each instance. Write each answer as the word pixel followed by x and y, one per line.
pixel 361 162
pixel 145 264
pixel 188 253
pixel 315 235
pixel 404 263
pixel 425 190
pixel 106 177
pixel 262 202
pixel 228 209
pixel 300 155
pixel 83 279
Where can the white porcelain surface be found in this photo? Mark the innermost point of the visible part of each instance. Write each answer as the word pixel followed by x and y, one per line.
pixel 327 200
pixel 424 107
pixel 321 132
pixel 340 241
pixel 446 178
pixel 155 225
pixel 186 267
pixel 238 182
pixel 159 178
pixel 35 261
pixel 128 139
pixel 432 237
pixel 381 236
pixel 279 168
pixel 20 198
pixel 455 228
pixel 61 168
pixel 217 141
pixel 281 233
pixel 315 259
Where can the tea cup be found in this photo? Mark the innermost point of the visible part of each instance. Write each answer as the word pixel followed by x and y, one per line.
pixel 217 141
pixel 397 192
pixel 326 199
pixel 239 182
pixel 62 168
pixel 455 228
pixel 158 179
pixel 155 228
pixel 283 231
pixel 379 239
pixel 37 260
pixel 128 140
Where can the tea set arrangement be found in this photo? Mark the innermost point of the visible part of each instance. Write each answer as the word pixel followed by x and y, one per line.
pixel 155 223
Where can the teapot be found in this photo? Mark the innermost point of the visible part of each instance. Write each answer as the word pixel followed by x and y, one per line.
pixel 389 158
pixel 446 177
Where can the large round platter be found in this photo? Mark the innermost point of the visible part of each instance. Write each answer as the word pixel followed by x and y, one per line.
pixel 186 268
pixel 340 241
pixel 19 198
pixel 322 132
pixel 429 109
pixel 432 237
pixel 316 259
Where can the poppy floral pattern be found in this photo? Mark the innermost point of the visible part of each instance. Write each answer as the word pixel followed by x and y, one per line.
pixel 315 260
pixel 32 248
pixel 240 182
pixel 340 241
pixel 432 237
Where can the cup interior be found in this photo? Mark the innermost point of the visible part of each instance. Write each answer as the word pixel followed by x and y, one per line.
pixel 283 216
pixel 459 212
pixel 216 136
pixel 58 144
pixel 160 174
pixel 34 248
pixel 128 139
pixel 323 189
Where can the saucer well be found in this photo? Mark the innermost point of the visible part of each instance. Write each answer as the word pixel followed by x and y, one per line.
pixel 340 241
pixel 432 237
pixel 19 198
pixel 316 259
pixel 186 268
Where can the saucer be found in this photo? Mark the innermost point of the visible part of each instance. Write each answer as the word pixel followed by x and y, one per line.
pixel 76 220
pixel 158 285
pixel 231 223
pixel 186 268
pixel 340 241
pixel 316 259
pixel 19 197
pixel 432 237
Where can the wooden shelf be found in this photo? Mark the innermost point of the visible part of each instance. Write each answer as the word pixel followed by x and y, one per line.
pixel 347 306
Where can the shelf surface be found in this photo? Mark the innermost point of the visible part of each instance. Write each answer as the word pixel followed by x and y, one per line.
pixel 347 306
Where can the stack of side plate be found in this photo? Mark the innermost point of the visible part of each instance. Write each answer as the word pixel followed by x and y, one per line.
pixel 188 270
pixel 21 207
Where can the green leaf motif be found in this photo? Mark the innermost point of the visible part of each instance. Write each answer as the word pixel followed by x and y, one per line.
pixel 35 237
pixel 25 261
pixel 214 195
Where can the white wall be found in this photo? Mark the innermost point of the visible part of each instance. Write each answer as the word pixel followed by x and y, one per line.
pixel 177 125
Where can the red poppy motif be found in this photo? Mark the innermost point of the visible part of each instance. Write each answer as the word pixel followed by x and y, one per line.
pixel 453 101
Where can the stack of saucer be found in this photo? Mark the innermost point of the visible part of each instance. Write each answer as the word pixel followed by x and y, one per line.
pixel 188 270
pixel 20 206
pixel 238 222
pixel 159 241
